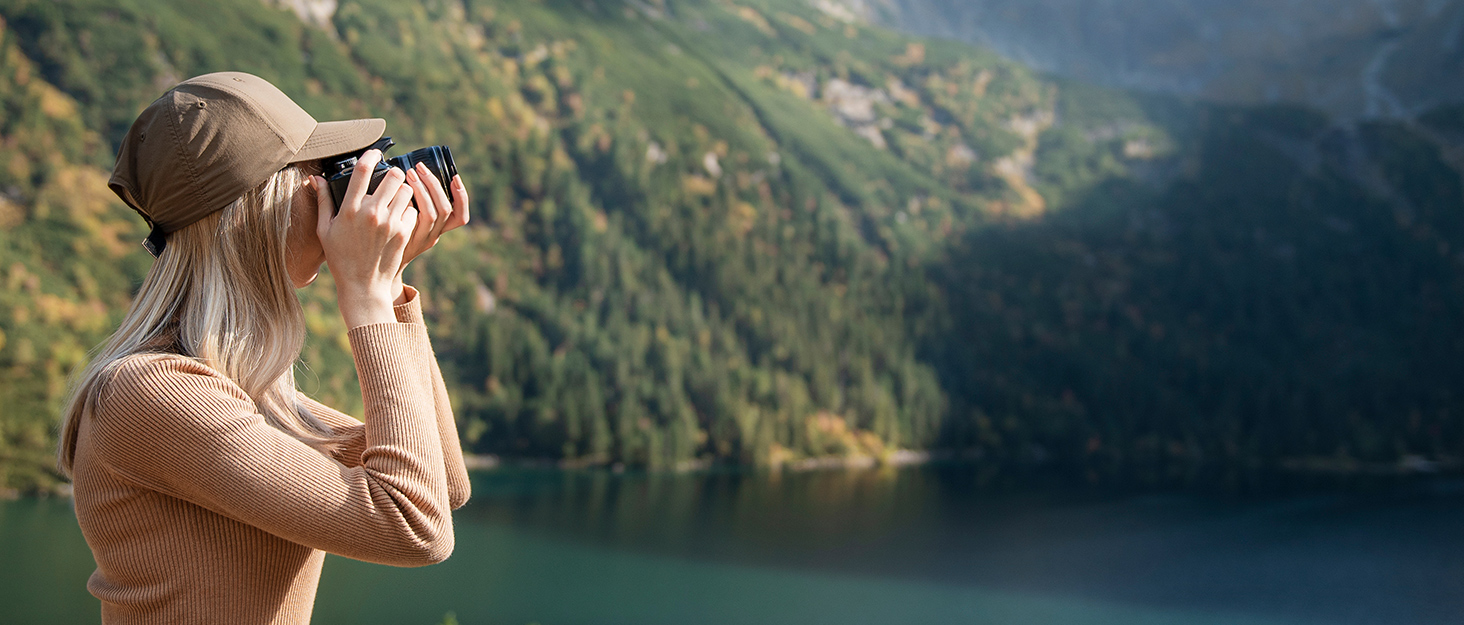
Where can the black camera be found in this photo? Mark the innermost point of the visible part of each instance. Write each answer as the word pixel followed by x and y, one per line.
pixel 337 169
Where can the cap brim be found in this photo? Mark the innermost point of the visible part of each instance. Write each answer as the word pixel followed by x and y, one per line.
pixel 332 138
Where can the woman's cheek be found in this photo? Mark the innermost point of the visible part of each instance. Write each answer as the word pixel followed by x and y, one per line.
pixel 303 249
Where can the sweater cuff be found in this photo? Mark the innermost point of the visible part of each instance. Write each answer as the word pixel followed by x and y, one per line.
pixel 411 311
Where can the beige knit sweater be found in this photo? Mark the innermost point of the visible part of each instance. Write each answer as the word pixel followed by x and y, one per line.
pixel 198 511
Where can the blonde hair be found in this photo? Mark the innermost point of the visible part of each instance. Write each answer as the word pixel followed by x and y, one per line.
pixel 220 293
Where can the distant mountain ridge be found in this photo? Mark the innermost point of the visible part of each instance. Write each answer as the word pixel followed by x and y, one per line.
pixel 1351 58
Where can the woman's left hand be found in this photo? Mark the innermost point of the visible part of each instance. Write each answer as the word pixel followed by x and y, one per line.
pixel 435 213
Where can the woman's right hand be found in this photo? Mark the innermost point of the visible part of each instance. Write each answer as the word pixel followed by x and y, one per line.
pixel 364 242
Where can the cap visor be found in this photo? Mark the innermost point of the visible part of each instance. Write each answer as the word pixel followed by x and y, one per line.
pixel 332 138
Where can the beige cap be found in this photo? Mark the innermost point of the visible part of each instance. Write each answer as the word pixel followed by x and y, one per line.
pixel 211 138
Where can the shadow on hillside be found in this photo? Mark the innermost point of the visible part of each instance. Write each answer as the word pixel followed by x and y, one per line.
pixel 1270 305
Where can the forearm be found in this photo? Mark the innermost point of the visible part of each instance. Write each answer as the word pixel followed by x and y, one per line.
pixel 459 487
pixel 401 448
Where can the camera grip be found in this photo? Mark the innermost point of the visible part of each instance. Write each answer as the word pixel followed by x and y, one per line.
pixel 340 183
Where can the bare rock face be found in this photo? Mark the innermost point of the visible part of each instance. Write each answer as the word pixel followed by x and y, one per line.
pixel 314 12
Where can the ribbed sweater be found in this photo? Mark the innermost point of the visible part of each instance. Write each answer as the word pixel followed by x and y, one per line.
pixel 198 511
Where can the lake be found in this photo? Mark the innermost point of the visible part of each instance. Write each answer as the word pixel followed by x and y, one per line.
pixel 880 547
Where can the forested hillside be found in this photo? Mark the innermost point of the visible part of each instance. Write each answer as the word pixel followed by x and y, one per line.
pixel 762 232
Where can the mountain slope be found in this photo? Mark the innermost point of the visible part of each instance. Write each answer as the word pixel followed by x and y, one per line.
pixel 1395 58
pixel 762 232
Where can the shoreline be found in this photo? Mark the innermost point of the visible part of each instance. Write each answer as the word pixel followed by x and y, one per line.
pixel 1411 466
pixel 897 458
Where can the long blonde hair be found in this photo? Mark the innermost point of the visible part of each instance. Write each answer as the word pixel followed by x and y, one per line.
pixel 220 293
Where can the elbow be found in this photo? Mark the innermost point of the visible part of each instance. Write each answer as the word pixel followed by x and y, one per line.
pixel 429 550
pixel 437 545
pixel 427 541
pixel 458 497
pixel 439 551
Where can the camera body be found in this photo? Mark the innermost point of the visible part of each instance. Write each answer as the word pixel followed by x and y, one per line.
pixel 337 170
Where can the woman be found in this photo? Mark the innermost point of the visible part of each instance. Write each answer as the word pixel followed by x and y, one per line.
pixel 208 488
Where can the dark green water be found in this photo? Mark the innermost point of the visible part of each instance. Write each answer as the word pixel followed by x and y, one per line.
pixel 912 546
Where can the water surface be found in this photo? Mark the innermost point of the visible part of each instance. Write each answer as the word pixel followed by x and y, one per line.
pixel 920 545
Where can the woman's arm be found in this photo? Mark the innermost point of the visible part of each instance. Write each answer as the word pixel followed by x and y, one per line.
pixel 459 488
pixel 436 214
pixel 350 433
pixel 176 426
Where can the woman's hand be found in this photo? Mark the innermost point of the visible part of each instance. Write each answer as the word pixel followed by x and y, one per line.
pixel 435 213
pixel 365 241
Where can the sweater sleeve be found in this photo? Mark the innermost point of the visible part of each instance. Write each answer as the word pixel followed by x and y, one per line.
pixel 178 427
pixel 459 488
pixel 350 433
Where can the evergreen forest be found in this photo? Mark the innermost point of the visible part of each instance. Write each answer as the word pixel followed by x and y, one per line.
pixel 765 232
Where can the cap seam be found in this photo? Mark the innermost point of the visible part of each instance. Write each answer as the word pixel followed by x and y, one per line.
pixel 194 190
pixel 259 111
pixel 131 197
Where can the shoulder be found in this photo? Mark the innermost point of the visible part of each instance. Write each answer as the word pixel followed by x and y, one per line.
pixel 162 386
pixel 157 373
pixel 151 407
pixel 142 363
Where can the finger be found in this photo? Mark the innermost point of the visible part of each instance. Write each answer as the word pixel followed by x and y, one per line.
pixel 459 202
pixel 392 184
pixel 360 179
pixel 324 206
pixel 424 216
pixel 398 223
pixel 440 201
pixel 401 195
pixel 411 219
pixel 399 249
pixel 393 255
pixel 426 204
pixel 422 233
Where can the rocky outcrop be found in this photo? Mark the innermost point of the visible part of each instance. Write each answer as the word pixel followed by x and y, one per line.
pixel 314 12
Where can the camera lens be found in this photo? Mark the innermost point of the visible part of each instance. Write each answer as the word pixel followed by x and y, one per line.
pixel 449 166
pixel 438 160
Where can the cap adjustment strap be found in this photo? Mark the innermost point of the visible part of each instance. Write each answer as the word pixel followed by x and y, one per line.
pixel 155 241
